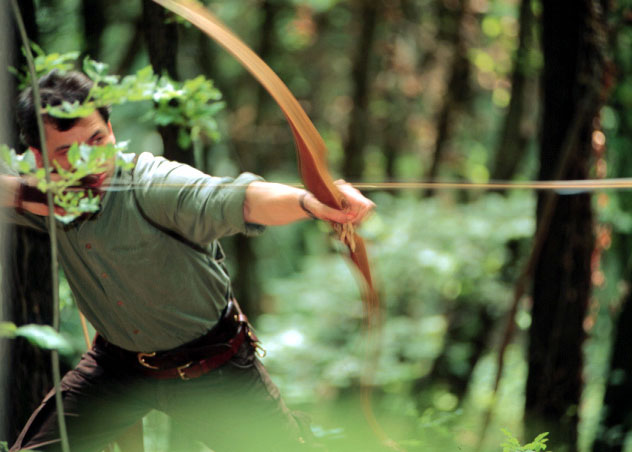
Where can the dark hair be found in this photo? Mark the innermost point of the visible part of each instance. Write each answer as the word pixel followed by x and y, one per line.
pixel 55 87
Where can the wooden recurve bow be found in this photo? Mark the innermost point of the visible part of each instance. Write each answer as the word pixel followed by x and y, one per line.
pixel 312 162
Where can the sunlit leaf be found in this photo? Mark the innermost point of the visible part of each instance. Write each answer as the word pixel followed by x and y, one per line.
pixel 45 336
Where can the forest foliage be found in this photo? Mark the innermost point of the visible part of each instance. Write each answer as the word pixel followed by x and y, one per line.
pixel 445 261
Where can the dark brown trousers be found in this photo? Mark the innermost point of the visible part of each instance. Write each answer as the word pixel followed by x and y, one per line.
pixel 233 408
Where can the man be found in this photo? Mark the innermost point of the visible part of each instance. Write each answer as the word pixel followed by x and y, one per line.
pixel 148 273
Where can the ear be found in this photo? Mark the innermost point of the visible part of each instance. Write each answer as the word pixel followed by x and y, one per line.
pixel 38 157
pixel 111 132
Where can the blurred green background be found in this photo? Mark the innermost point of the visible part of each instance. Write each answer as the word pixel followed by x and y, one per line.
pixel 401 91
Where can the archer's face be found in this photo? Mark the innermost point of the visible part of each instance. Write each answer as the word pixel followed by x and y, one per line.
pixel 91 130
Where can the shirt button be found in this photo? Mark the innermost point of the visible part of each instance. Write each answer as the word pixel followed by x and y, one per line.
pixel 88 246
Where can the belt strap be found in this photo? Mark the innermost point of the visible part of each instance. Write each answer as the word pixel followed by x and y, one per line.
pixel 194 369
pixel 198 357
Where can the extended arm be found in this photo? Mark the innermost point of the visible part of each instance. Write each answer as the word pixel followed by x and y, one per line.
pixel 274 204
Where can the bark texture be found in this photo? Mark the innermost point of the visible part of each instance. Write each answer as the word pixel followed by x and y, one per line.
pixel 161 39
pixel 457 85
pixel 30 375
pixel 562 274
pixel 93 18
pixel 616 418
pixel 28 290
pixel 353 164
pixel 518 125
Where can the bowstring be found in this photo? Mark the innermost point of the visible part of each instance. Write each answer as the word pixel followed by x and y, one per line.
pixel 563 187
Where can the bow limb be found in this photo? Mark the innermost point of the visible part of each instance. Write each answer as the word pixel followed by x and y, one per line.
pixel 311 148
pixel 319 182
pixel 312 161
pixel 199 16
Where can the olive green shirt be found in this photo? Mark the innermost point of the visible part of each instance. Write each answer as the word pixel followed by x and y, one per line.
pixel 144 289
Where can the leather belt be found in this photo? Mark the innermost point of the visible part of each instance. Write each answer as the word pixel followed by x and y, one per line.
pixel 195 369
pixel 204 354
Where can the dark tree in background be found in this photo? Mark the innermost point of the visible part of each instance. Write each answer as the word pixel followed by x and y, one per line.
pixel 161 39
pixel 5 127
pixel 452 16
pixel 251 156
pixel 93 13
pixel 518 124
pixel 616 417
pixel 30 375
pixel 561 288
pixel 361 81
pixel 29 292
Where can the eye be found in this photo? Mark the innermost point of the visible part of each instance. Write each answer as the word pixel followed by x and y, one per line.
pixel 60 154
pixel 96 141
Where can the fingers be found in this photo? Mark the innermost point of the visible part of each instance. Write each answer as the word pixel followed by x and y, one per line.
pixel 357 207
pixel 323 211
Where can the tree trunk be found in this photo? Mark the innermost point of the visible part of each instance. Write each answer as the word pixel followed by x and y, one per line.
pixel 616 420
pixel 131 51
pixel 394 134
pixel 519 120
pixel 395 139
pixel 161 39
pixel 246 282
pixel 457 88
pixel 30 375
pixel 562 274
pixel 93 18
pixel 353 164
pixel 28 289
pixel 5 137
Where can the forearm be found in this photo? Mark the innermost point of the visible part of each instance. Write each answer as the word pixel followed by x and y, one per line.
pixel 273 204
pixel 22 193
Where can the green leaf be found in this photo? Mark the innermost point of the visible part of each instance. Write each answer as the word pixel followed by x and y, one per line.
pixel 94 69
pixel 73 154
pixel 72 110
pixel 511 444
pixel 45 336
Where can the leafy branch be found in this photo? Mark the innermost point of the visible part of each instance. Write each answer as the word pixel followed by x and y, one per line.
pixel 191 104
pixel 67 189
pixel 44 64
pixel 511 444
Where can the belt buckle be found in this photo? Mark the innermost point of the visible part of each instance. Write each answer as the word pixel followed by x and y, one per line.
pixel 141 359
pixel 181 369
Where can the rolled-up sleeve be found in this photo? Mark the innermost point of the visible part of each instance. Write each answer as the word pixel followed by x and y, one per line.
pixel 199 207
